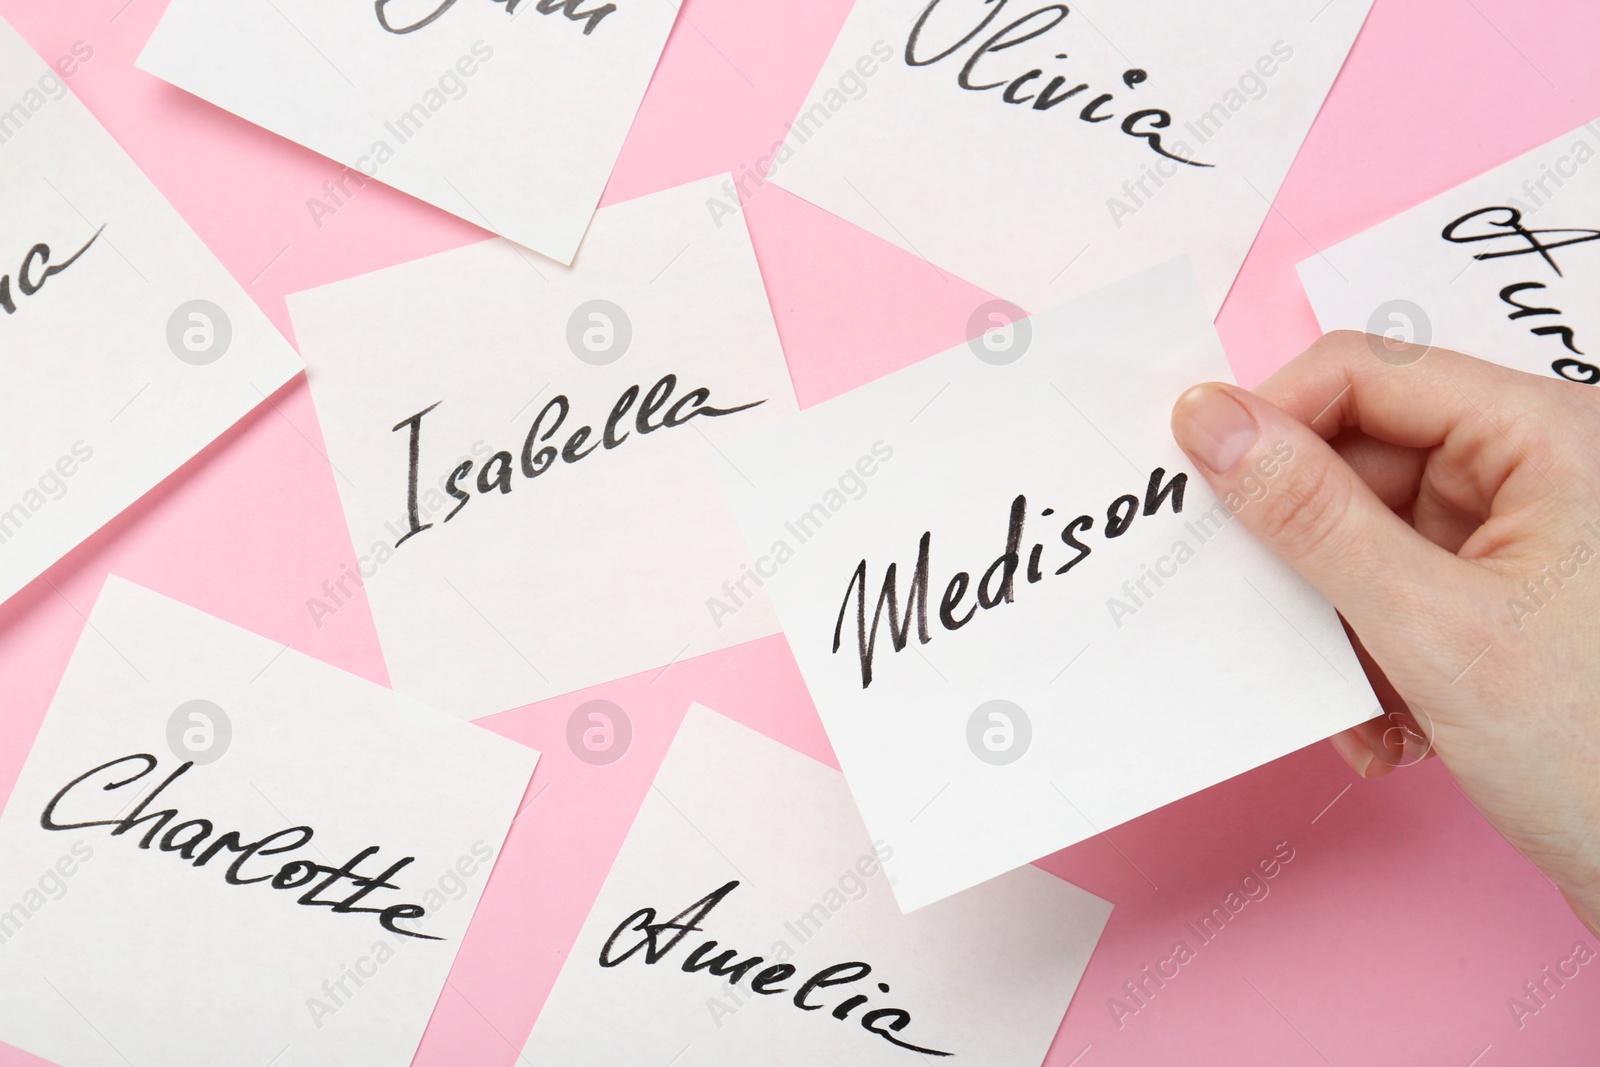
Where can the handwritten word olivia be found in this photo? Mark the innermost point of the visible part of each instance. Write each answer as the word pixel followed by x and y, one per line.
pixel 496 473
pixel 38 257
pixel 1502 229
pixel 1144 123
pixel 660 938
pixel 989 592
pixel 1154 174
pixel 185 839
pixel 569 8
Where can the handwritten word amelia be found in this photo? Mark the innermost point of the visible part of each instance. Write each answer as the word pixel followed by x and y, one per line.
pixel 570 8
pixel 38 259
pixel 660 938
pixel 186 837
pixel 1022 88
pixel 496 473
pixel 998 584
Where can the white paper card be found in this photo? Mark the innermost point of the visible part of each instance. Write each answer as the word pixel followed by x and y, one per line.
pixel 599 565
pixel 1505 266
pixel 220 851
pixel 510 115
pixel 1139 653
pixel 747 923
pixel 128 348
pixel 1037 153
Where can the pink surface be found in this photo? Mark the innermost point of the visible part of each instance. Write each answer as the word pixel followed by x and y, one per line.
pixel 1402 925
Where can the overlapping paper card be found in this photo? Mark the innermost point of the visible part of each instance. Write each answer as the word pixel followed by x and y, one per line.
pixel 747 923
pixel 1039 149
pixel 508 114
pixel 1022 617
pixel 520 449
pixel 1505 266
pixel 128 348
pixel 221 851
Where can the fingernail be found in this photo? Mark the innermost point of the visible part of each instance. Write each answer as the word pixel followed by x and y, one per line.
pixel 1354 750
pixel 1213 427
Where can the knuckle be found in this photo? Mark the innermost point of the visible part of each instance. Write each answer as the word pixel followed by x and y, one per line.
pixel 1340 339
pixel 1340 346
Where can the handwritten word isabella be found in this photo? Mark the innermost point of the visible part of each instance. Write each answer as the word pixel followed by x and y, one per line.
pixel 1024 88
pixel 496 472
pixel 185 838
pixel 998 584
pixel 658 939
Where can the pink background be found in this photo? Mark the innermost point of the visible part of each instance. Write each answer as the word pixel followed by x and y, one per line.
pixel 1404 922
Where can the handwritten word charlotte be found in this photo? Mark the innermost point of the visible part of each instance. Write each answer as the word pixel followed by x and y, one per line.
pixel 572 9
pixel 184 839
pixel 1023 87
pixel 1500 228
pixel 497 472
pixel 660 938
pixel 998 584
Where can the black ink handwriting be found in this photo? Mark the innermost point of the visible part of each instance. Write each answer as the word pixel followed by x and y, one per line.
pixel 657 938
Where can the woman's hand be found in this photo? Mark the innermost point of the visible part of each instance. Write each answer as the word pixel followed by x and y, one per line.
pixel 1450 510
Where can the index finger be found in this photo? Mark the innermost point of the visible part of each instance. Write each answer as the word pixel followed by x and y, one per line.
pixel 1476 421
pixel 1414 396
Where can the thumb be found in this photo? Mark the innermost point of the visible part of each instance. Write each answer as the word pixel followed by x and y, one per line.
pixel 1314 511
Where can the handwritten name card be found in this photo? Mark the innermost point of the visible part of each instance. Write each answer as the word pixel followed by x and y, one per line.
pixel 520 448
pixel 1505 266
pixel 508 113
pixel 748 920
pixel 1036 149
pixel 1036 622
pixel 295 850
pixel 128 348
